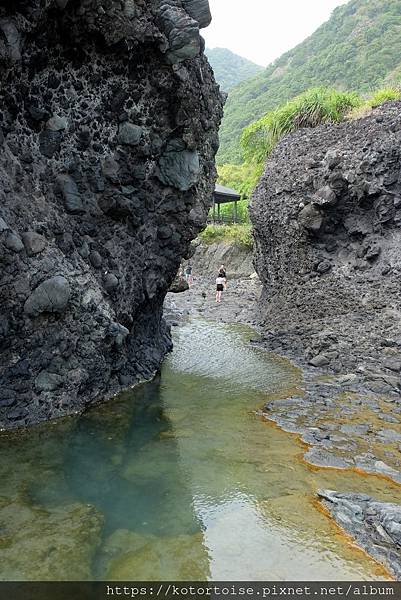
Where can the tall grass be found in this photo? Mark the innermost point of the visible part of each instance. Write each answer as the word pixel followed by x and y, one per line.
pixel 238 235
pixel 378 98
pixel 384 95
pixel 310 109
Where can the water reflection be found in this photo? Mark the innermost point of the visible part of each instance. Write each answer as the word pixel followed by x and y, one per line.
pixel 177 479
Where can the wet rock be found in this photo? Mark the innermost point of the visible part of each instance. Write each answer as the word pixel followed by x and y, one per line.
pixel 48 544
pixel 51 295
pixel 322 458
pixel 128 554
pixel 375 526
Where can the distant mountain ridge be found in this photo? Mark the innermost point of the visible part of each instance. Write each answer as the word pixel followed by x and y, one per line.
pixel 229 68
pixel 358 48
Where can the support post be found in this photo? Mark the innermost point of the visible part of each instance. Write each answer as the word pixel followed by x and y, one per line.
pixel 235 212
pixel 218 211
pixel 214 210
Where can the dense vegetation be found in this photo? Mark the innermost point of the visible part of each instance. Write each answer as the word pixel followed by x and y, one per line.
pixel 310 109
pixel 238 235
pixel 229 68
pixel 357 49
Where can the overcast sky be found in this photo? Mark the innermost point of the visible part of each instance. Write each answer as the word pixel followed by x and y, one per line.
pixel 262 30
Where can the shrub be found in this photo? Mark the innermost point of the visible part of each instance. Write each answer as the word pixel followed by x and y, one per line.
pixel 384 95
pixel 238 235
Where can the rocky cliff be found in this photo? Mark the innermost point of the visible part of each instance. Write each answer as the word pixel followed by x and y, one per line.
pixel 207 259
pixel 327 217
pixel 109 118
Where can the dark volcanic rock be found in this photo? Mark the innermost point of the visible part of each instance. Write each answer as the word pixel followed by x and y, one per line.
pixel 327 238
pixel 376 526
pixel 108 134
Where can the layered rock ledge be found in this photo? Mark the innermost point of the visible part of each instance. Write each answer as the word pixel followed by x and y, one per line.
pixel 375 526
pixel 108 132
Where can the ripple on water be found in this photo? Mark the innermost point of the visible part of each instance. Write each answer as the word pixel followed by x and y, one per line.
pixel 178 479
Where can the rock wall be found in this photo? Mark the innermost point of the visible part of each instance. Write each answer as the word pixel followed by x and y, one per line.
pixel 327 218
pixel 108 134
pixel 208 258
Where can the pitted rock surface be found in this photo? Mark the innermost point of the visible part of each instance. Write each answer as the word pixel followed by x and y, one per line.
pixel 327 218
pixel 108 132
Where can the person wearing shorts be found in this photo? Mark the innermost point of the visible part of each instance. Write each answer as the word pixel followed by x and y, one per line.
pixel 220 284
pixel 188 275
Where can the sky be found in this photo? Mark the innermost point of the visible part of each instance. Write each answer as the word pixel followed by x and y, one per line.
pixel 262 30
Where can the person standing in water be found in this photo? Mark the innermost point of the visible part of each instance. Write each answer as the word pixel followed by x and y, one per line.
pixel 220 285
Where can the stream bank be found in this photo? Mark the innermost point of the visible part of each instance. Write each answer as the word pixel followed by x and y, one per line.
pixel 178 479
pixel 344 424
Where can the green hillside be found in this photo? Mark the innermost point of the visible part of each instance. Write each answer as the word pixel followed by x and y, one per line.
pixel 359 49
pixel 229 68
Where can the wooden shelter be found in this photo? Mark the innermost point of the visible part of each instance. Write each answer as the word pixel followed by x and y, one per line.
pixel 224 195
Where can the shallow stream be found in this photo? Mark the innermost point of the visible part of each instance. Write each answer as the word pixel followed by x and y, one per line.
pixel 178 479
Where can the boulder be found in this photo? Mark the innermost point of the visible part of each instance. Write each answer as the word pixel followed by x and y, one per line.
pixel 199 10
pixel 52 295
pixel 56 123
pixel 129 134
pixel 111 282
pixel 179 285
pixel 320 360
pixel 72 198
pixel 311 218
pixel 34 242
pixel 50 142
pixel 179 167
pixel 48 382
pixel 13 242
pixel 325 197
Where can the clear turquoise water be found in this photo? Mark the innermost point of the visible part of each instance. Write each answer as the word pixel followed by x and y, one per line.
pixel 178 479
